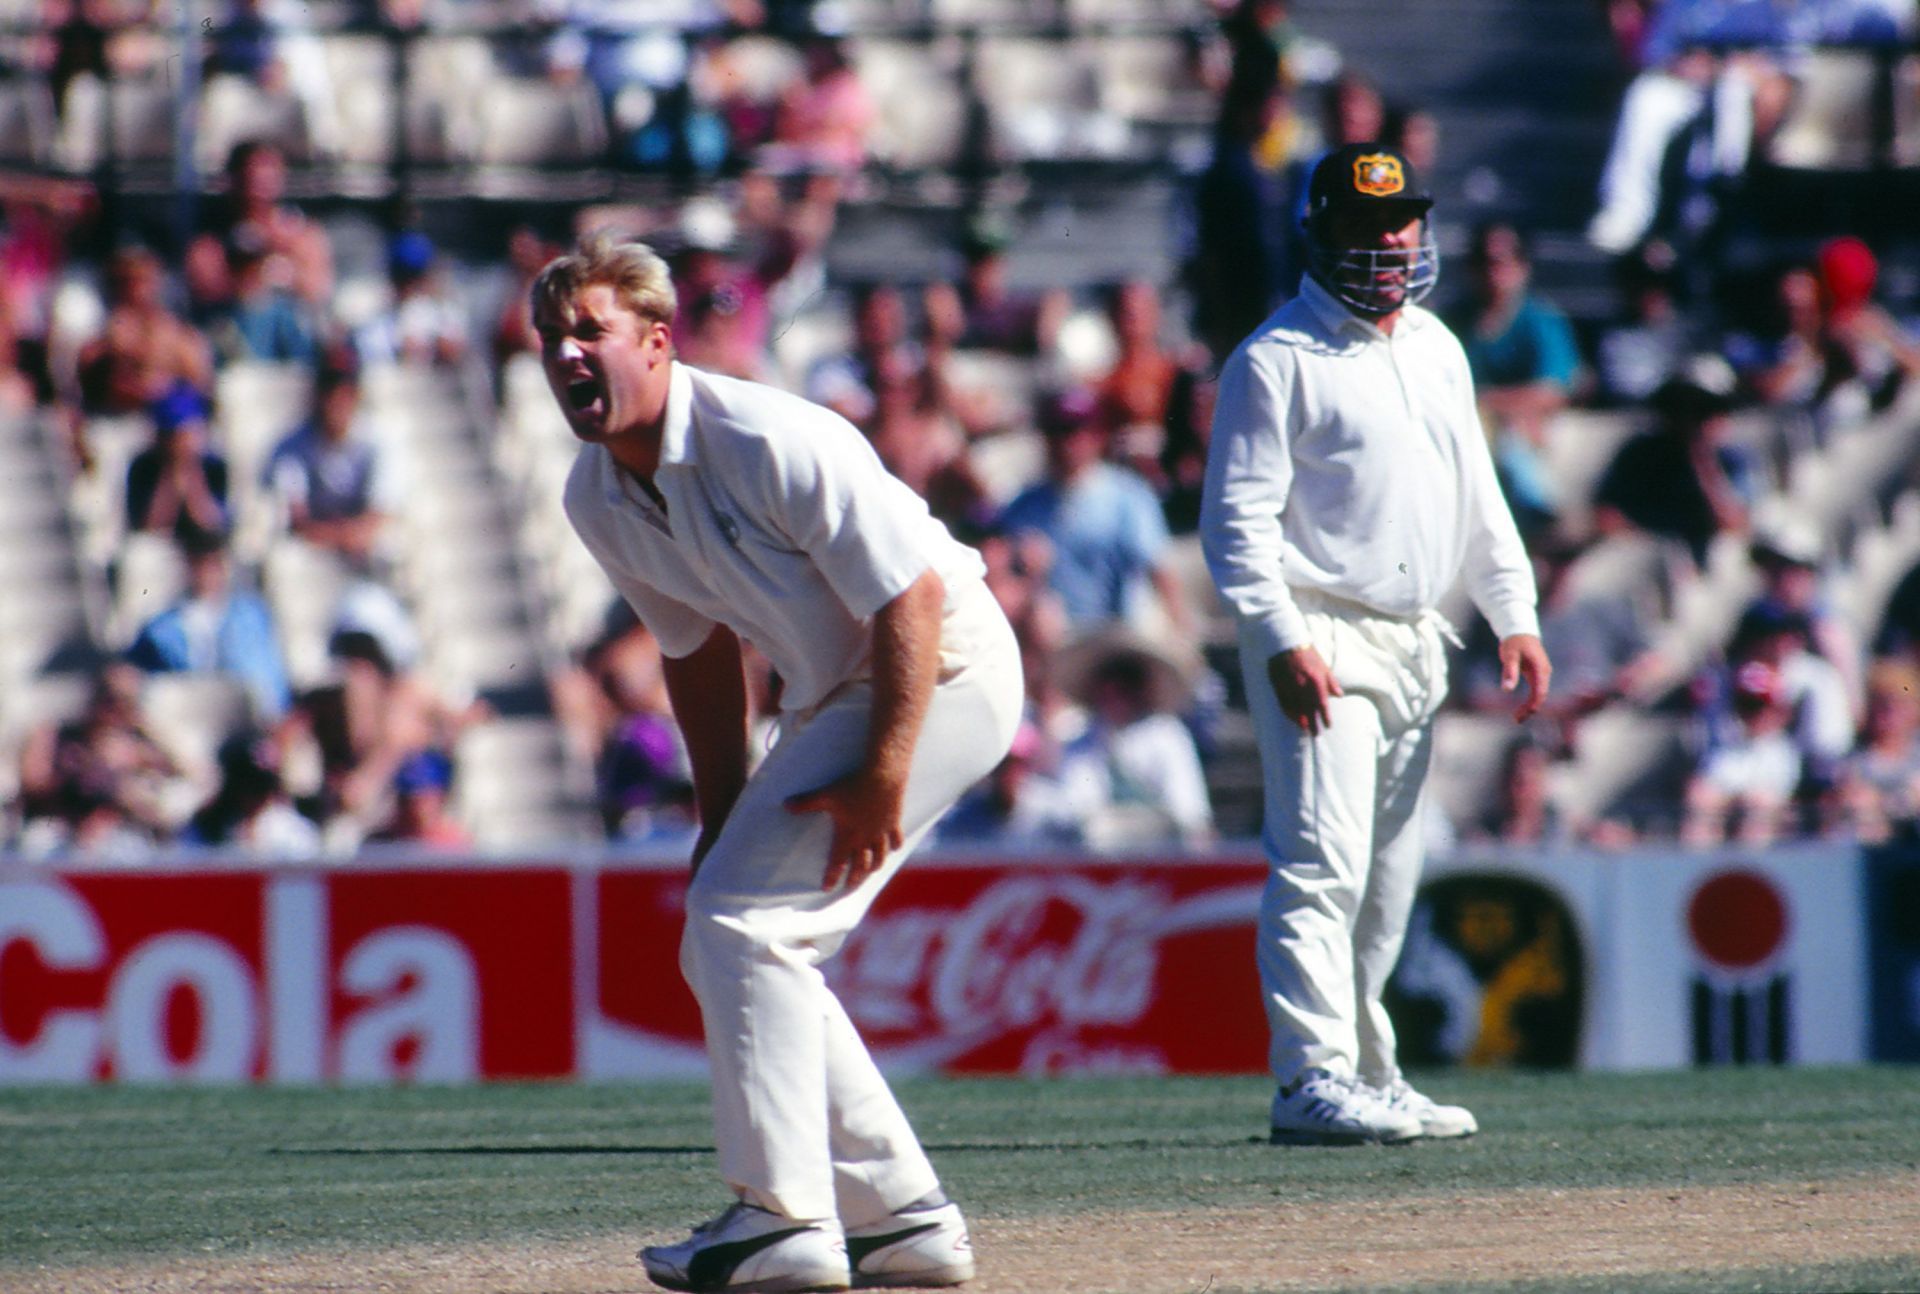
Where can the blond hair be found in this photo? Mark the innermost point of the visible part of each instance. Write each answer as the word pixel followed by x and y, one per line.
pixel 640 280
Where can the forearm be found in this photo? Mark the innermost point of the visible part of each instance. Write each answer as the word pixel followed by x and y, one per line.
pixel 906 663
pixel 708 690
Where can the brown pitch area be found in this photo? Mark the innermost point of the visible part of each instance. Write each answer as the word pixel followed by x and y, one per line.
pixel 1517 1235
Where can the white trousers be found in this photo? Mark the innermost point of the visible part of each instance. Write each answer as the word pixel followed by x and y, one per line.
pixel 804 1123
pixel 1342 836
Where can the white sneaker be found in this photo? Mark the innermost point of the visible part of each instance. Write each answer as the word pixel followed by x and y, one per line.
pixel 1440 1122
pixel 750 1249
pixel 912 1246
pixel 1322 1109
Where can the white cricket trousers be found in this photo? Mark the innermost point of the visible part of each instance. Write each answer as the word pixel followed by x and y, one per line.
pixel 1342 835
pixel 804 1123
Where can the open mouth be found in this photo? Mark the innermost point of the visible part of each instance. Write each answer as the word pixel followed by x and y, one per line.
pixel 582 394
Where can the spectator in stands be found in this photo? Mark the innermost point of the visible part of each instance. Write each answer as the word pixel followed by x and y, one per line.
pixel 1746 780
pixel 41 219
pixel 1137 391
pixel 1352 111
pixel 618 717
pixel 420 816
pixel 372 716
pixel 102 773
pixel 1524 812
pixel 177 485
pixel 725 320
pixel 250 809
pixel 1815 688
pixel 1635 354
pixel 1525 365
pixel 1135 748
pixel 1415 134
pixel 256 188
pixel 845 381
pixel 271 47
pixel 1870 356
pixel 1683 479
pixel 984 311
pixel 423 325
pixel 823 119
pixel 1246 257
pixel 262 320
pixel 1807 689
pixel 1102 523
pixel 143 348
pixel 1787 551
pixel 527 254
pixel 1724 73
pixel 1183 459
pixel 1599 644
pixel 916 435
pixel 782 225
pixel 1024 802
pixel 1784 362
pixel 1879 785
pixel 217 628
pixel 335 479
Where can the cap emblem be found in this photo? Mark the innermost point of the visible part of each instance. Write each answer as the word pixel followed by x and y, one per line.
pixel 1378 175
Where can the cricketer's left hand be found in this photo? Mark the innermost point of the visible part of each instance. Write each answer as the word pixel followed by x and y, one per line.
pixel 866 824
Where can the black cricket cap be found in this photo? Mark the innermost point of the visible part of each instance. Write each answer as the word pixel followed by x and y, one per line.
pixel 1360 176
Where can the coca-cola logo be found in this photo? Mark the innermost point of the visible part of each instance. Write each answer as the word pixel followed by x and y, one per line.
pixel 1049 956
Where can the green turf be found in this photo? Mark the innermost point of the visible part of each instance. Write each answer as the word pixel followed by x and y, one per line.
pixel 92 1174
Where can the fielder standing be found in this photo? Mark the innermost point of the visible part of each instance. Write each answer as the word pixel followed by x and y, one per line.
pixel 1348 486
pixel 726 511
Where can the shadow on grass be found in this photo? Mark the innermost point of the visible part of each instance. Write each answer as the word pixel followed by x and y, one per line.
pixel 375 1151
pixel 949 1147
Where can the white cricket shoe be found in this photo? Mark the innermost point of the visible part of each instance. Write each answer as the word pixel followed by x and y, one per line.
pixel 914 1246
pixel 751 1249
pixel 1322 1109
pixel 1437 1121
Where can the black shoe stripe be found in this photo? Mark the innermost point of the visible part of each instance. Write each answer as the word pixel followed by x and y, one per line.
pixel 713 1267
pixel 858 1247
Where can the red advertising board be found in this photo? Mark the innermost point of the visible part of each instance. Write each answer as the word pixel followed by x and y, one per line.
pixel 451 973
pixel 983 968
pixel 366 976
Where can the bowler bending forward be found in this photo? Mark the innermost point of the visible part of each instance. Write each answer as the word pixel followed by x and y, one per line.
pixel 726 511
pixel 1347 487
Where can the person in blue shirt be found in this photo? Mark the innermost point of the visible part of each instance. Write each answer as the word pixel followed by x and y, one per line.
pixel 218 628
pixel 1103 522
pixel 1525 364
pixel 264 320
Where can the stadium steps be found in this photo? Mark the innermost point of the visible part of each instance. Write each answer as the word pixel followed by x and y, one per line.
pixel 478 608
pixel 47 615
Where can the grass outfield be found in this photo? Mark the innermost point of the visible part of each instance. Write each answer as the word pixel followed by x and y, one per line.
pixel 91 1178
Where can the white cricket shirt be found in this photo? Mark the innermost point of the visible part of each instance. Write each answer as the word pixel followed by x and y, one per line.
pixel 780 524
pixel 1351 461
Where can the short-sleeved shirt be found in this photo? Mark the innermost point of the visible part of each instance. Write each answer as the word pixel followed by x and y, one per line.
pixel 1107 533
pixel 780 524
pixel 334 480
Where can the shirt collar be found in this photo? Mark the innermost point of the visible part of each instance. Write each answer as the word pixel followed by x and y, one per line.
pixel 676 434
pixel 1336 317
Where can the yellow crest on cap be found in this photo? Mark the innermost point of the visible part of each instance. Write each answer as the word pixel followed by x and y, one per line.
pixel 1378 175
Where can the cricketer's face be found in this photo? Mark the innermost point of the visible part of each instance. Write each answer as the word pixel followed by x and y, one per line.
pixel 607 367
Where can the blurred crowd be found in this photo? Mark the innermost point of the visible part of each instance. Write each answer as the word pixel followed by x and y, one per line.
pixel 1692 581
